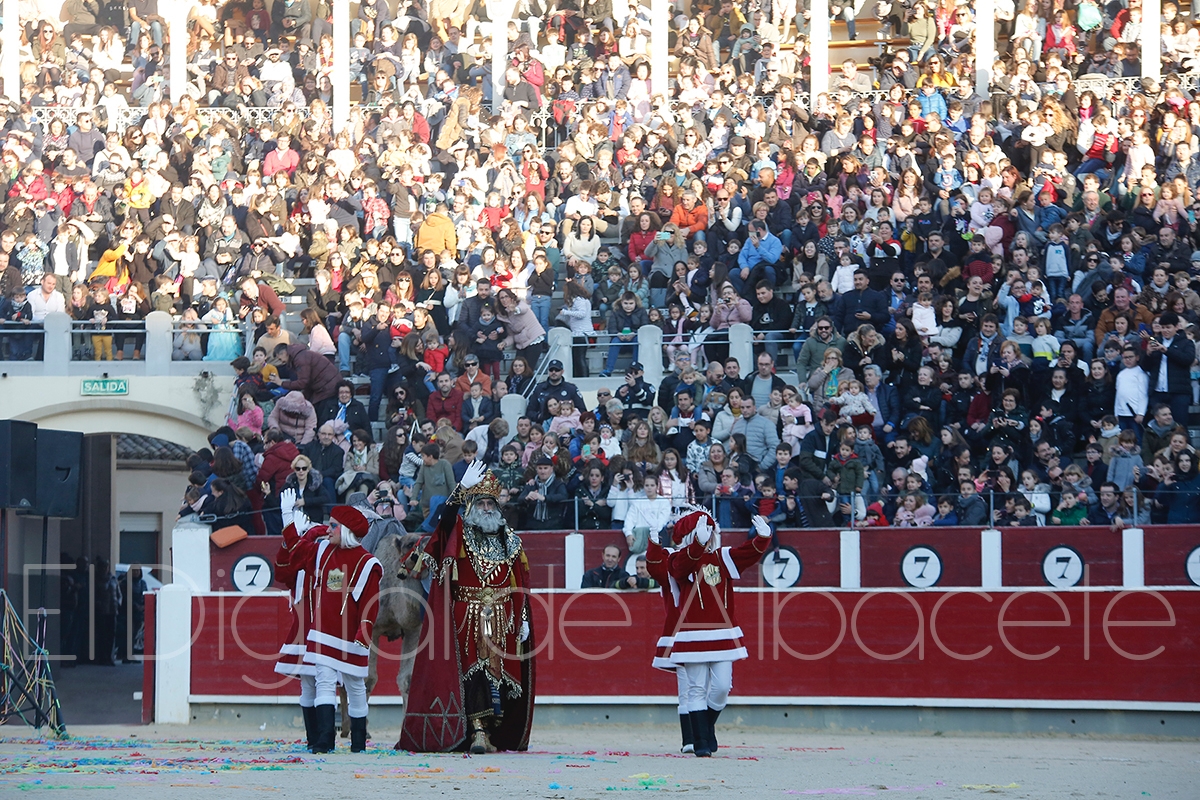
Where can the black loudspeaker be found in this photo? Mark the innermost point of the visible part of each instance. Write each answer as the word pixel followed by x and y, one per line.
pixel 59 468
pixel 18 464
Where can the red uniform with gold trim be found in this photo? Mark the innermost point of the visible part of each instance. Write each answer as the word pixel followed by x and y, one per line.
pixel 294 553
pixel 343 592
pixel 657 558
pixel 707 629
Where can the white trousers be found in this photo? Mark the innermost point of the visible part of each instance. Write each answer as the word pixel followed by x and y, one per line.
pixel 308 691
pixel 356 690
pixel 708 684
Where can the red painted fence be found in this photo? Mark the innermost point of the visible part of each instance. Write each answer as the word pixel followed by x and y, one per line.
pixel 1114 648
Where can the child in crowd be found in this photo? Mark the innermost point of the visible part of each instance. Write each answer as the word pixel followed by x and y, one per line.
pixel 946 513
pixel 1070 510
pixel 854 402
pixel 845 470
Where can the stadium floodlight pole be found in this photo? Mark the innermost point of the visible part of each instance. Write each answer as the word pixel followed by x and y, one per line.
pixel 501 12
pixel 341 64
pixel 10 51
pixel 1152 39
pixel 660 51
pixel 177 33
pixel 818 62
pixel 985 45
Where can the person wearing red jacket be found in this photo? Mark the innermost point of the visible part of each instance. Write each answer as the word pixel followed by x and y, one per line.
pixel 276 467
pixel 341 583
pixel 707 638
pixel 657 565
pixel 640 239
pixel 299 537
pixel 446 402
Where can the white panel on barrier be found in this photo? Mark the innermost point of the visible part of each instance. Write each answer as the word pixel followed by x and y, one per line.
pixel 173 655
pixel 991 559
pixel 574 567
pixel 1133 558
pixel 851 560
pixel 191 562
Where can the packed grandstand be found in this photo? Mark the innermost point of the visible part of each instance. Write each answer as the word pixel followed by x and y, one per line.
pixel 969 303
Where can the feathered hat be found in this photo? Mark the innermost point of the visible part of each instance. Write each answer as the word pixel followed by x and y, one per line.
pixel 683 529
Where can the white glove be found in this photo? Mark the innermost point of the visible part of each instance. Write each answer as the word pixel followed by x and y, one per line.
pixel 525 631
pixel 287 506
pixel 761 526
pixel 302 522
pixel 703 530
pixel 474 474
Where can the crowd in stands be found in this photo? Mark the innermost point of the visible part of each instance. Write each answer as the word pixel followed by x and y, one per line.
pixel 969 307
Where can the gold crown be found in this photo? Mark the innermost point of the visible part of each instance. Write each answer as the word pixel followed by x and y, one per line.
pixel 488 487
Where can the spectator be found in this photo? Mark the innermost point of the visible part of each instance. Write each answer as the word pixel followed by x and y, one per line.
pixel 649 512
pixel 544 497
pixel 609 575
pixel 342 407
pixel 295 417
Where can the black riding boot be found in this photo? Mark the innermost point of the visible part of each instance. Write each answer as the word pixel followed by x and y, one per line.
pixel 326 729
pixel 358 734
pixel 700 744
pixel 310 725
pixel 712 715
pixel 685 726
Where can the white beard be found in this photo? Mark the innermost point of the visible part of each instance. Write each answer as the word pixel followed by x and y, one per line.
pixel 487 521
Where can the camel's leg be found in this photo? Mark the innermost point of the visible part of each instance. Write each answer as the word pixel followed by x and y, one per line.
pixel 408 657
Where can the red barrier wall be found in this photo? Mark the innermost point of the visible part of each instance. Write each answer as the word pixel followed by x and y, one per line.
pixel 1095 645
pixel 1024 549
pixel 1166 549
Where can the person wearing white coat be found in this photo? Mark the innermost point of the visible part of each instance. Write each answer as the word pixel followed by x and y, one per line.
pixel 577 314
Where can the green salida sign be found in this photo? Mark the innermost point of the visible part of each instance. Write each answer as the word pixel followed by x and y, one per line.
pixel 104 387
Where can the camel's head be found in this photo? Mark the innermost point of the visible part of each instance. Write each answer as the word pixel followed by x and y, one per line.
pixel 410 547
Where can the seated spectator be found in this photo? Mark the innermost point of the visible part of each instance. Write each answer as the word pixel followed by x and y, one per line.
pixel 609 575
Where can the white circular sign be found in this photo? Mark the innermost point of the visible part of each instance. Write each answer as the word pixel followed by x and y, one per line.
pixel 921 567
pixel 1062 567
pixel 252 574
pixel 1193 566
pixel 781 568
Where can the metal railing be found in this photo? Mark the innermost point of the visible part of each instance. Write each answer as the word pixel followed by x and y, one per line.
pixel 108 341
pixel 21 341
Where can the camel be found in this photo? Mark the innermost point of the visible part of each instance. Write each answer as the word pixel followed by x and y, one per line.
pixel 400 599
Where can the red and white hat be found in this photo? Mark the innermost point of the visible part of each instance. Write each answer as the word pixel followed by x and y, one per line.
pixel 684 531
pixel 351 518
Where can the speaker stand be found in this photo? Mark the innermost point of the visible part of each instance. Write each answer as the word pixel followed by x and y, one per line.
pixel 27 689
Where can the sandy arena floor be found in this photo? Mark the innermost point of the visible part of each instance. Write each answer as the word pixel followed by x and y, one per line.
pixel 165 762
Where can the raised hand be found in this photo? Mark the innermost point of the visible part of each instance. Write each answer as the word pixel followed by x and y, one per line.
pixel 761 526
pixel 287 505
pixel 474 474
